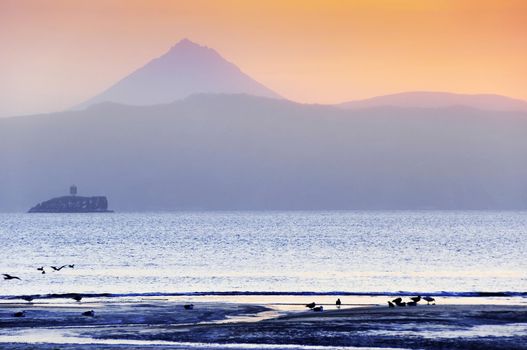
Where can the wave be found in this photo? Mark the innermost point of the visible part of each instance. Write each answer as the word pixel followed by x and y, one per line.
pixel 267 293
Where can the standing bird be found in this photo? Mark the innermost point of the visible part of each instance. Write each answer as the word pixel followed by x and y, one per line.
pixel 27 298
pixel 318 308
pixel 429 300
pixel 9 277
pixel 90 313
pixel 311 305
pixel 416 299
pixel 338 303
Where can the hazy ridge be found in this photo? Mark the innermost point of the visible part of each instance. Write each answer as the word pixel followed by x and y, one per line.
pixel 245 152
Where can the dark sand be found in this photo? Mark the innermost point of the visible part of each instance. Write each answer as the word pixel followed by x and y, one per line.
pixel 167 325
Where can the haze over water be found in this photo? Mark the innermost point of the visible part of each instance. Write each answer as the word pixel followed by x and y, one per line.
pixel 265 251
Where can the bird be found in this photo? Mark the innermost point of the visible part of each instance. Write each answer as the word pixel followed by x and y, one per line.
pixel 416 299
pixel 55 268
pixel 71 266
pixel 338 303
pixel 27 298
pixel 318 308
pixel 9 277
pixel 411 303
pixel 429 300
pixel 188 306
pixel 19 314
pixel 90 313
pixel 397 300
pixel 77 297
pixel 41 269
pixel 390 304
pixel 311 305
pixel 402 304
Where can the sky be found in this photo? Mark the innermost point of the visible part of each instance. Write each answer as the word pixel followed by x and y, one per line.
pixel 56 54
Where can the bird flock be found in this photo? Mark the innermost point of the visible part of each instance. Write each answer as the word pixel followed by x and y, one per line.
pixel 395 302
pixel 412 302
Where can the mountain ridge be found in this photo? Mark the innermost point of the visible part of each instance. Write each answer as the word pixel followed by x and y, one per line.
pixel 185 69
pixel 439 99
pixel 241 152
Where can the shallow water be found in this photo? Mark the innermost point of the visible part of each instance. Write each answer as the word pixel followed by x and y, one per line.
pixel 268 251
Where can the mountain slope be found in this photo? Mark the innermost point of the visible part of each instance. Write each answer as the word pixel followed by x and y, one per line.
pixel 426 99
pixel 186 69
pixel 244 152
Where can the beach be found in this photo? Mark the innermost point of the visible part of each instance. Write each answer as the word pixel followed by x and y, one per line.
pixel 162 323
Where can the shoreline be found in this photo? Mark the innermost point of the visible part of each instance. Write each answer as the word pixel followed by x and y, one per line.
pixel 150 323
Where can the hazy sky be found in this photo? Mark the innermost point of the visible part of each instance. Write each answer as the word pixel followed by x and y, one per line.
pixel 54 54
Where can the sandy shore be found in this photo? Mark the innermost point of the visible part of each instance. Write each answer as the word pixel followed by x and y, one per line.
pixel 167 325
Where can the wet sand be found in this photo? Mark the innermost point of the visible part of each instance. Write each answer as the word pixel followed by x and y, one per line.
pixel 165 324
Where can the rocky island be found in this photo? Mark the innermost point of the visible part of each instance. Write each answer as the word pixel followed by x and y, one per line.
pixel 73 204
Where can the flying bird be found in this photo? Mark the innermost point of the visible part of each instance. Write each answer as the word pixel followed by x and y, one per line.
pixel 71 266
pixel 55 268
pixel 41 269
pixel 9 277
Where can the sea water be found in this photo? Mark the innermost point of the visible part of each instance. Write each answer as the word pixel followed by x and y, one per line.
pixel 262 252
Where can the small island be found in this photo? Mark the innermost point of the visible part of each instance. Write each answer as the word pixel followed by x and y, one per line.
pixel 73 204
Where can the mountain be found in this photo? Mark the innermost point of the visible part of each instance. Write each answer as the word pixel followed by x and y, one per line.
pixel 186 69
pixel 245 152
pixel 424 99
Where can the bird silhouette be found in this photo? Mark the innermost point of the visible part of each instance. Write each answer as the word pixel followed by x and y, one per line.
pixel 429 300
pixel 390 304
pixel 397 300
pixel 416 299
pixel 55 268
pixel 41 269
pixel 188 306
pixel 311 305
pixel 9 277
pixel 318 308
pixel 90 313
pixel 71 266
pixel 338 303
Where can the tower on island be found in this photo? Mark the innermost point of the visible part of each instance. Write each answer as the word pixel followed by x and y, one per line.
pixel 73 190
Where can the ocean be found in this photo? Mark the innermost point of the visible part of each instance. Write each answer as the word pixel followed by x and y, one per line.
pixel 381 252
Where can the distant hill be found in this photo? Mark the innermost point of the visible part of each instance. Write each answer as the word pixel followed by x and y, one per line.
pixel 424 99
pixel 186 69
pixel 245 152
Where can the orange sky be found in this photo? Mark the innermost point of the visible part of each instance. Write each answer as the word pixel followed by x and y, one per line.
pixel 54 54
